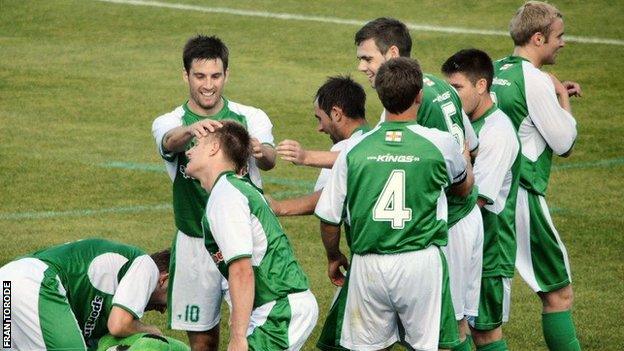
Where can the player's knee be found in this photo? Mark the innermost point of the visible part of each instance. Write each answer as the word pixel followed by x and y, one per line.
pixel 558 300
pixel 483 337
pixel 204 341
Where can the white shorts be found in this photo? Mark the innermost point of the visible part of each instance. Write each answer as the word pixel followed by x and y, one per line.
pixel 34 288
pixel 383 287
pixel 195 286
pixel 464 255
pixel 284 324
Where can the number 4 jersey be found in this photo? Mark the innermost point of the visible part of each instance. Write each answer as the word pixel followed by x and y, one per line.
pixel 392 181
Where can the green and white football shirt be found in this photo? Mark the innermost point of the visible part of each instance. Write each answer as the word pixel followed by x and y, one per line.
pixel 189 198
pixel 239 223
pixel 392 181
pixel 98 274
pixel 527 95
pixel 441 108
pixel 497 174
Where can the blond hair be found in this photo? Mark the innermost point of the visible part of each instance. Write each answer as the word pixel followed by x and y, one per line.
pixel 531 18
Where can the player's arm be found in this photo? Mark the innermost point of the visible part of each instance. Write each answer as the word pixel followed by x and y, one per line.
pixel 330 235
pixel 549 113
pixel 462 184
pixel 292 151
pixel 264 154
pixel 122 323
pixel 498 151
pixel 241 287
pixel 298 206
pixel 176 139
pixel 131 298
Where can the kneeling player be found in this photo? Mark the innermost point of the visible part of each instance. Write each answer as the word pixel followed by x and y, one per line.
pixel 497 174
pixel 272 307
pixel 67 296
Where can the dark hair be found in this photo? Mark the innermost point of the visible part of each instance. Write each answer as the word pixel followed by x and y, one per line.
pixel 386 32
pixel 343 92
pixel 398 82
pixel 235 143
pixel 202 47
pixel 473 63
pixel 162 259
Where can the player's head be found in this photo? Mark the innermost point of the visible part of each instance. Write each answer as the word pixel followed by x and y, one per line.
pixel 339 100
pixel 205 70
pixel 538 25
pixel 228 145
pixel 158 300
pixel 470 71
pixel 378 41
pixel 399 83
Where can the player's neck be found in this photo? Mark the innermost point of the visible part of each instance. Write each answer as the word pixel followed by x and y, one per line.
pixel 209 178
pixel 484 105
pixel 200 111
pixel 530 54
pixel 408 115
pixel 351 126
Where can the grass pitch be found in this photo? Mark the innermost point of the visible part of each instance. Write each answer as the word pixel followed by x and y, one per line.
pixel 81 82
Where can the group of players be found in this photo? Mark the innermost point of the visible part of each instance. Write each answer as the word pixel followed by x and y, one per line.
pixel 439 202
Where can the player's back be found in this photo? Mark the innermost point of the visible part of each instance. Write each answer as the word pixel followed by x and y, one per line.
pixel 396 175
pixel 277 272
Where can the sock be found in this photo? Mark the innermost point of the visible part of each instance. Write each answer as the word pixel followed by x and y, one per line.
pixel 559 332
pixel 500 345
pixel 463 346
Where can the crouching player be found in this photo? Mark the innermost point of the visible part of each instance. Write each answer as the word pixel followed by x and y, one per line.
pixel 497 174
pixel 272 307
pixel 67 296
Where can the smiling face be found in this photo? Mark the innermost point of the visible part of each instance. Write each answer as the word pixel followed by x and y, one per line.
pixel 553 43
pixel 370 59
pixel 199 155
pixel 206 80
pixel 325 123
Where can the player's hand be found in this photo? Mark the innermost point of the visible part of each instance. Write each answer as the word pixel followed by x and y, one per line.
pixel 291 151
pixel 202 128
pixel 333 268
pixel 256 148
pixel 238 344
pixel 574 88
pixel 560 89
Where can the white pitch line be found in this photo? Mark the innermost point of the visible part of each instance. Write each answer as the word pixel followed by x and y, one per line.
pixel 322 19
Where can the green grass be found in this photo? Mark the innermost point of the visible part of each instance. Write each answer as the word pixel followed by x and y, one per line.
pixel 81 82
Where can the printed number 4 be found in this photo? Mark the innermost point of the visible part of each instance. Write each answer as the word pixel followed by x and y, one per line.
pixel 390 205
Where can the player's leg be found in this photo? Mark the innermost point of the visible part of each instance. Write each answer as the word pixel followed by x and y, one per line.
pixel 494 302
pixel 542 261
pixel 464 253
pixel 284 324
pixel 41 315
pixel 370 321
pixel 195 292
pixel 419 291
pixel 332 328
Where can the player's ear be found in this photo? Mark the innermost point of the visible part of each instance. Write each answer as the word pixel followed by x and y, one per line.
pixel 337 114
pixel 418 99
pixel 185 75
pixel 538 39
pixel 393 52
pixel 227 75
pixel 482 86
pixel 163 278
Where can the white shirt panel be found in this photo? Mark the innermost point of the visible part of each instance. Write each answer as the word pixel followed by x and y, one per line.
pixel 554 124
pixel 137 285
pixel 229 218
pixel 497 152
pixel 444 141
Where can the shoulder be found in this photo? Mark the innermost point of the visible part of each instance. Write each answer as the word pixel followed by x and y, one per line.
pixel 246 110
pixel 535 78
pixel 498 126
pixel 170 117
pixel 441 139
pixel 228 189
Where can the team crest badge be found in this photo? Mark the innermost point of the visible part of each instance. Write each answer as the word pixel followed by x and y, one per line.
pixel 394 136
